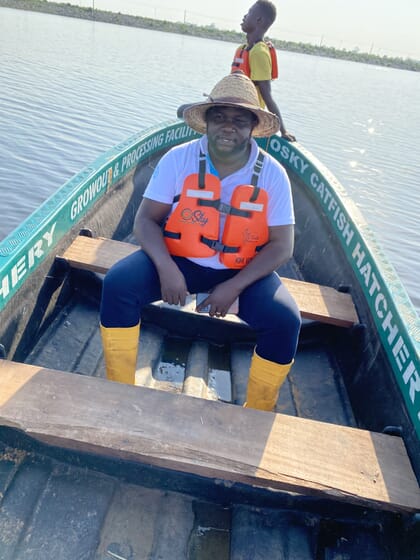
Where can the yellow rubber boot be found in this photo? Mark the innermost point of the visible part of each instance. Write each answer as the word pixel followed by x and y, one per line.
pixel 265 380
pixel 120 352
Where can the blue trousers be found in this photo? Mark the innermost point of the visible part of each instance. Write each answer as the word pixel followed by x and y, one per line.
pixel 265 305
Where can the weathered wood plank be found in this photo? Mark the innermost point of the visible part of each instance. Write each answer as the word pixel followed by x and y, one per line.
pixel 322 303
pixel 316 302
pixel 208 438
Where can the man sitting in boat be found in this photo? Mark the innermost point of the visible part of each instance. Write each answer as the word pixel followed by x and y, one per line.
pixel 217 216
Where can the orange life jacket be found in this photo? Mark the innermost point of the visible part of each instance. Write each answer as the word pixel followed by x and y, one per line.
pixel 192 230
pixel 241 60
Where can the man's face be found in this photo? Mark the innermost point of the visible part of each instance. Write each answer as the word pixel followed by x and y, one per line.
pixel 251 19
pixel 229 130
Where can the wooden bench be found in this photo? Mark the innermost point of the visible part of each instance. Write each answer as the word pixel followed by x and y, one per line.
pixel 186 434
pixel 320 303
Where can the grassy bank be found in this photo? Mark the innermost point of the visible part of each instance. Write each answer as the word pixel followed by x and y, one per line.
pixel 209 32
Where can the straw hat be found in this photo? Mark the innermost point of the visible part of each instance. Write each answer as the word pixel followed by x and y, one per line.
pixel 235 90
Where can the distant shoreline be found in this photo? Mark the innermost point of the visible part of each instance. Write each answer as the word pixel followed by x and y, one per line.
pixel 209 32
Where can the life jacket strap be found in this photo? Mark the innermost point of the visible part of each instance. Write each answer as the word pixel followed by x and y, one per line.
pixel 256 175
pixel 228 209
pixel 171 234
pixel 212 203
pixel 224 208
pixel 257 168
pixel 221 248
pixel 218 246
pixel 201 170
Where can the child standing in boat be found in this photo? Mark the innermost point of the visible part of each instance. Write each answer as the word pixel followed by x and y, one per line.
pixel 258 59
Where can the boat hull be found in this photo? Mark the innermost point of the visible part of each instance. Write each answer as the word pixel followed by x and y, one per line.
pixel 362 376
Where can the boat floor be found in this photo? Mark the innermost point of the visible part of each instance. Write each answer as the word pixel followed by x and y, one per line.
pixel 67 505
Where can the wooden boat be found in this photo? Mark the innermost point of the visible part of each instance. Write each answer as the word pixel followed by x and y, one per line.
pixel 92 469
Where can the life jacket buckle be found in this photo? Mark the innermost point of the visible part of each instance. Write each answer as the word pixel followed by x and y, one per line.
pixel 215 245
pixel 224 208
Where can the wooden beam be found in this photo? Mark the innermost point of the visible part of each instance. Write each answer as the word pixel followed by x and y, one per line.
pixel 320 303
pixel 208 438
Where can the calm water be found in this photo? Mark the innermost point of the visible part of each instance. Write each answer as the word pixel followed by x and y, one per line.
pixel 69 89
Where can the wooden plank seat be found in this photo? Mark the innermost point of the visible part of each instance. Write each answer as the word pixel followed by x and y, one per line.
pixel 320 303
pixel 259 448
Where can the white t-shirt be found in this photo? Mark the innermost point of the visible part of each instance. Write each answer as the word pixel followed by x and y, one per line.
pixel 168 179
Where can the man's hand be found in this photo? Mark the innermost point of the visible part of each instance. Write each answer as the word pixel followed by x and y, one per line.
pixel 265 89
pixel 288 136
pixel 220 299
pixel 173 285
pixel 148 231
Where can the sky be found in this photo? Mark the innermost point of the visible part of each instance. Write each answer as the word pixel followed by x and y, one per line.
pixel 383 27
